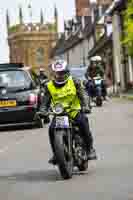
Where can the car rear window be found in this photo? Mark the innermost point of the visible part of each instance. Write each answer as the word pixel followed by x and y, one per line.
pixel 15 79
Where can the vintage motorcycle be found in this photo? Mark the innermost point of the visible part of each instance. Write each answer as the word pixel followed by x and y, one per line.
pixel 93 88
pixel 69 145
pixel 98 91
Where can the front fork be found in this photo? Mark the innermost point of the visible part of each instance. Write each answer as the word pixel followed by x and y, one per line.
pixel 68 143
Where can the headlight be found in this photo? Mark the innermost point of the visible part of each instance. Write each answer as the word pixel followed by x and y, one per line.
pixel 58 109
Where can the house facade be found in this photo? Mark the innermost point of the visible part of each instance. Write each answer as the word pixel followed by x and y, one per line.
pixel 100 34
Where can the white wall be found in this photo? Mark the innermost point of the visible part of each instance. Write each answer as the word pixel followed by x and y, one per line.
pixel 75 55
pixel 117 51
pixel 78 53
pixel 130 69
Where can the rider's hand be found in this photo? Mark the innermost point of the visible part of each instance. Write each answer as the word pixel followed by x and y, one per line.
pixel 43 113
pixel 86 110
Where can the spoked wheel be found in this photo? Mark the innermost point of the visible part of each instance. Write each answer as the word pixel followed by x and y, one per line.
pixel 81 157
pixel 63 153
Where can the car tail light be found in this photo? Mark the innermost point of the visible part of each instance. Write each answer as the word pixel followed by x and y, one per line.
pixel 33 99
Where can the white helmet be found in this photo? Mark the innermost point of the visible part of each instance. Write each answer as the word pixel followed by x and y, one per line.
pixel 61 72
pixel 41 69
pixel 59 65
pixel 96 58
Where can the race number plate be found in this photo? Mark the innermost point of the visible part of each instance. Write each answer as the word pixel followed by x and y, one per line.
pixel 62 122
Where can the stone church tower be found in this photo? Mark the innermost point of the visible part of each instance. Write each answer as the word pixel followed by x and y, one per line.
pixel 31 43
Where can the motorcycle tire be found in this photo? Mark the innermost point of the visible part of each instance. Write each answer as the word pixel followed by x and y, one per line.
pixel 65 167
pixel 83 166
pixel 99 102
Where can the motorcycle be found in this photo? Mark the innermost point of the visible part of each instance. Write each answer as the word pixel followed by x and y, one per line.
pixel 69 145
pixel 98 91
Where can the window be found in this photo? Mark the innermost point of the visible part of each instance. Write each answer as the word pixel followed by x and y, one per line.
pixel 15 79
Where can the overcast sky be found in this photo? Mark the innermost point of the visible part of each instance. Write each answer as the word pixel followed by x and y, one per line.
pixel 66 9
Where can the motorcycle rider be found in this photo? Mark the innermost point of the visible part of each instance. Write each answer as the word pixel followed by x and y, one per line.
pixel 67 90
pixel 103 85
pixel 96 70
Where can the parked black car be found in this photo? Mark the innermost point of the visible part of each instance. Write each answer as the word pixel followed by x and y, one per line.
pixel 20 96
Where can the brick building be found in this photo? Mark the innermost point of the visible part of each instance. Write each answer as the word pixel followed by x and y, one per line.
pixel 82 7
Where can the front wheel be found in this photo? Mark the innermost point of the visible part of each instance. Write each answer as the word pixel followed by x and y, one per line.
pixel 63 154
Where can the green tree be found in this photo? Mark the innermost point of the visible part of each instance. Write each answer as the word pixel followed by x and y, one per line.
pixel 128 25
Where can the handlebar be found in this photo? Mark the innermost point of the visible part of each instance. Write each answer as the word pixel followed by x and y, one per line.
pixel 52 112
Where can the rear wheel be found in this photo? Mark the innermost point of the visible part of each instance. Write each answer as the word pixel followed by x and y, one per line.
pixel 83 166
pixel 99 101
pixel 63 155
pixel 81 157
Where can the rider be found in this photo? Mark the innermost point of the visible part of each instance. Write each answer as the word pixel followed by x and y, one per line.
pixel 96 70
pixel 66 90
pixel 103 85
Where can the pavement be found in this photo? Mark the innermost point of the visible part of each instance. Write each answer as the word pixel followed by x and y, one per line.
pixel 128 95
pixel 26 175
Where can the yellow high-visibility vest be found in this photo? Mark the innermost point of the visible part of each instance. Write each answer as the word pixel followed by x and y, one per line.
pixel 66 95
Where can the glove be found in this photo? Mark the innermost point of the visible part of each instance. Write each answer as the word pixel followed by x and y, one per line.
pixel 43 113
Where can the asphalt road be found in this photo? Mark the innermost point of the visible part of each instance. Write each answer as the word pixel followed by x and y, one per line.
pixel 26 175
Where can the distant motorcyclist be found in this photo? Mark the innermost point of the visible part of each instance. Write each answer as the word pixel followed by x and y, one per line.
pixel 103 85
pixel 66 90
pixel 96 70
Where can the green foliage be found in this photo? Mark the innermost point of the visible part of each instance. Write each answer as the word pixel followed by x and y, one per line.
pixel 51 27
pixel 14 28
pixel 128 25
